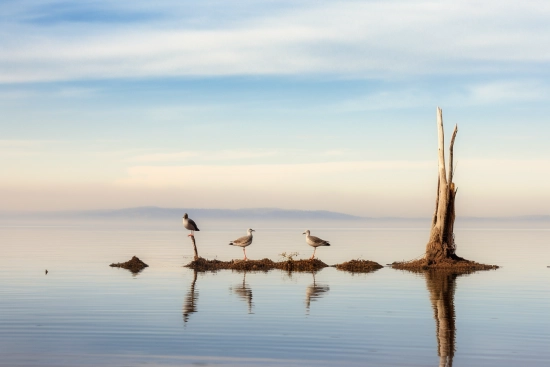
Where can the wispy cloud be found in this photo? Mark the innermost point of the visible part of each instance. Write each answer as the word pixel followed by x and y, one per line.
pixel 193 156
pixel 313 175
pixel 358 38
pixel 508 91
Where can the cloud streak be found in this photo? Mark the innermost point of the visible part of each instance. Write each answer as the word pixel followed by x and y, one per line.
pixel 371 39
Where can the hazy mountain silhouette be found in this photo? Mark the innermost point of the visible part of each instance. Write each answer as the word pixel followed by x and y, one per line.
pixel 153 212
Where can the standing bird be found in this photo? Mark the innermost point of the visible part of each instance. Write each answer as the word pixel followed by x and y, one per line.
pixel 243 241
pixel 314 242
pixel 190 225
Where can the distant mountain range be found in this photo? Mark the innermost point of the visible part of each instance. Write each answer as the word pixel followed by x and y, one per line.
pixel 152 213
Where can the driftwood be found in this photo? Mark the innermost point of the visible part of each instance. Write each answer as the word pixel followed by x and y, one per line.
pixel 194 247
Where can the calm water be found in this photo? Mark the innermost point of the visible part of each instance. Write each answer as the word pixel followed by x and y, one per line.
pixel 84 313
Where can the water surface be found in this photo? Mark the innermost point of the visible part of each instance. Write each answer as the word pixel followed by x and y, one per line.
pixel 84 313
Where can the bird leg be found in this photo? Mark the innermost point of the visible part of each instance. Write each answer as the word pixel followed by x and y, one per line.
pixel 244 250
pixel 192 234
pixel 313 256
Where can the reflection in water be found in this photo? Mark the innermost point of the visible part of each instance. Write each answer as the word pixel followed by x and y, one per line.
pixel 315 291
pixel 441 285
pixel 190 302
pixel 244 292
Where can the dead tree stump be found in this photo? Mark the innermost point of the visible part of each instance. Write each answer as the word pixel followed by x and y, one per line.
pixel 441 247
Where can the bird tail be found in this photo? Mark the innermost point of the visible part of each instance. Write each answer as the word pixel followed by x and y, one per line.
pixel 326 244
pixel 231 244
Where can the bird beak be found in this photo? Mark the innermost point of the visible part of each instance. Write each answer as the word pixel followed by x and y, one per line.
pixel 304 233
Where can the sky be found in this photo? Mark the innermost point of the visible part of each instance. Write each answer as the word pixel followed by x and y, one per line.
pixel 311 105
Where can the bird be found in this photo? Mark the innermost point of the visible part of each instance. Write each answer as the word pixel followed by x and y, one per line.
pixel 243 241
pixel 190 225
pixel 46 272
pixel 314 242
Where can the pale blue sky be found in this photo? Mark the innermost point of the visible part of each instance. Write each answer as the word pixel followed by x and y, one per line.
pixel 323 105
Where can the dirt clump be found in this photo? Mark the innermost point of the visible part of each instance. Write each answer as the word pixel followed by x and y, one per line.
pixel 252 265
pixel 135 265
pixel 359 266
pixel 202 264
pixel 452 264
pixel 301 265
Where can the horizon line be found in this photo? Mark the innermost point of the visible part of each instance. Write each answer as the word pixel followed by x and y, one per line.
pixel 275 209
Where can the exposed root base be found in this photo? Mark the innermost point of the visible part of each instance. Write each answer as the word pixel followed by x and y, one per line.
pixel 135 265
pixel 202 264
pixel 457 263
pixel 359 266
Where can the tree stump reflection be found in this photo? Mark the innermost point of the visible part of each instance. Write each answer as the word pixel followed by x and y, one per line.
pixel 442 285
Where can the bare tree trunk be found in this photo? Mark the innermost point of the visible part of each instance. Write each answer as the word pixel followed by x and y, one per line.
pixel 441 243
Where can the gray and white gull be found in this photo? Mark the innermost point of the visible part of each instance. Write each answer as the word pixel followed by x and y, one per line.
pixel 243 241
pixel 190 225
pixel 314 242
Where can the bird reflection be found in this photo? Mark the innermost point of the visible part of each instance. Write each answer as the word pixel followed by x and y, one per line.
pixel 441 285
pixel 314 291
pixel 190 302
pixel 244 292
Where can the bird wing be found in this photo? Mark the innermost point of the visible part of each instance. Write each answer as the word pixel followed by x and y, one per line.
pixel 243 240
pixel 193 225
pixel 317 240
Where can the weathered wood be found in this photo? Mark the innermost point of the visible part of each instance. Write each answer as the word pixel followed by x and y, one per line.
pixel 451 147
pixel 443 188
pixel 194 247
pixel 441 242
pixel 434 219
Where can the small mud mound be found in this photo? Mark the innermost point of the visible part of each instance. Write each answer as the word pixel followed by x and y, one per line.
pixel 135 265
pixel 359 266
pixel 249 265
pixel 459 265
pixel 202 264
pixel 301 265
pixel 253 265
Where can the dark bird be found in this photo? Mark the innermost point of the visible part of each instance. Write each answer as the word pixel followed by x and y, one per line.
pixel 190 225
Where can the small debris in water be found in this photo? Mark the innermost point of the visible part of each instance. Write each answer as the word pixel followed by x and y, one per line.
pixel 135 265
pixel 46 272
